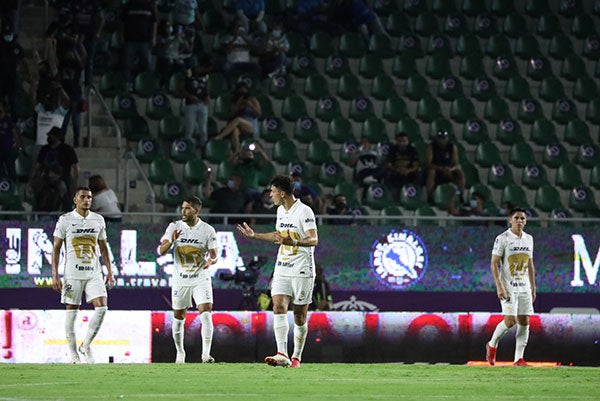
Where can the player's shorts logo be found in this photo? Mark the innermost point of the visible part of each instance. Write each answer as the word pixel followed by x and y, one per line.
pixel 399 259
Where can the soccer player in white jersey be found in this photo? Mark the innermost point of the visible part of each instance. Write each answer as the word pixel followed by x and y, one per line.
pixel 514 274
pixel 81 231
pixel 194 245
pixel 293 278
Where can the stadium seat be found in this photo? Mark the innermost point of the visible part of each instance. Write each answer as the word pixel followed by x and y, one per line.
pixel 348 86
pixel 551 89
pixel 547 198
pixel 381 46
pixel 591 48
pixel 416 87
pixel 543 132
pixel 318 152
pixel 321 45
pixel 572 68
pixel 112 83
pixel 404 66
pixel 293 107
pixel 387 212
pixel 461 110
pixel 429 216
pixel 577 132
pixel 498 46
pixel 175 85
pixel 297 43
pixel 517 89
pixel 484 89
pixel 170 127
pixel 538 68
pixel 508 132
pixel 377 197
pixel 352 45
pixel 582 26
pixel 347 189
pixel 534 176
pixel 563 111
pixel 439 44
pixel 485 26
pixel 468 43
pixel 340 130
pixel 568 176
pixel 486 154
pixel 284 151
pixel 560 46
pixel 529 110
pixel 557 217
pixel 394 109
pixel 471 66
pixel 588 155
pixel 585 88
pixel 272 129
pixel 266 173
pixel 409 45
pixel 592 111
pixel 194 171
pixel 521 154
pixel 582 200
pixel 595 177
pixel 474 132
pixel 331 174
pixel 316 87
pixel 514 194
pixel 412 197
pixel 455 24
pixel 360 108
pixel 306 130
pixel 426 24
pixel 473 8
pixel 281 86
pixel 450 88
pixel 443 194
pixel 525 46
pixel 146 84
pixel 123 106
pixel 496 110
pixel 336 65
pixel 375 130
pixel 304 65
pixel 347 152
pixel 397 24
pixel 548 24
pixel 135 128
pixel 514 25
pixel 500 175
pixel 158 106
pixel 147 149
pixel 182 150
pixel 415 8
pixel 502 8
pixel 428 108
pixel 266 105
pixel 437 66
pixel 554 155
pixel 160 171
pixel 383 87
pixel 504 67
pixel 217 150
pixel 172 194
pixel 327 108
pixel 470 172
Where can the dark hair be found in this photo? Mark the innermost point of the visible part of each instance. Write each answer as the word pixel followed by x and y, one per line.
pixel 401 135
pixel 97 183
pixel 515 210
pixel 82 189
pixel 283 182
pixel 478 195
pixel 194 201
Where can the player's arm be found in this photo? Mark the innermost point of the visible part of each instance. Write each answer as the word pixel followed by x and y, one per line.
pixel 311 239
pixel 168 240
pixel 248 232
pixel 531 272
pixel 495 268
pixel 56 283
pixel 110 279
pixel 212 258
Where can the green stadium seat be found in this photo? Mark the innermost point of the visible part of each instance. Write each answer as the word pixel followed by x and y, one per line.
pixel 135 128
pixel 266 174
pixel 504 67
pixel 572 68
pixel 397 24
pixel 272 129
pixel 360 108
pixel 426 24
pixel 592 111
pixel 387 212
pixel 331 174
pixel 377 197
pixel 514 25
pixel 538 68
pixel 297 43
pixel 554 155
pixel 585 89
pixel 123 106
pixel 170 127
pixel 383 87
pixel 526 46
pixel 340 130
pixel 468 43
pixel 416 87
pixel 498 46
pixel 577 132
pixel 558 216
pixel 175 84
pixel 194 171
pixel 160 171
pixel 336 65
pixel 548 25
pixel 485 26
pixel 146 84
pixel 560 46
pixel 293 107
pixel 316 87
pixel 304 65
pixel 284 151
pixel 486 154
pixel 543 132
pixel 568 176
pixel 281 86
pixel 217 150
pixel 462 110
pixel 437 66
pixel 470 172
pixel 425 216
pixel 450 88
pixel 327 108
pixel 500 175
pixel 409 45
pixel 529 110
pixel 321 45
pixel 352 45
pixel 158 106
pixel 394 109
pixel 496 110
pixel 404 66
pixel 381 45
pixel 508 132
pixel 415 8
pixel 595 177
pixel 347 189
pixel 375 130
pixel 182 150
pixel 455 24
pixel 547 198
pixel 412 197
pixel 439 44
pixel 563 111
pixel 265 104
pixel 172 194
pixel 348 86
pixel 473 8
pixel 471 66
pixel 517 89
pixel 514 194
pixel 551 89
pixel 318 152
pixel 112 83
pixel 534 176
pixel 428 108
pixel 147 149
pixel 582 26
pixel 582 200
pixel 216 84
pixel 306 130
pixel 588 155
pixel 484 89
pixel 521 154
pixel 443 194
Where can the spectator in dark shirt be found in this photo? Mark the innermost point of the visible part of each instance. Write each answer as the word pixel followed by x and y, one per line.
pixel 306 193
pixel 70 70
pixel 139 35
pixel 251 13
pixel 62 33
pixel 169 47
pixel 195 109
pixel 337 206
pixel 11 56
pixel 442 164
pixel 228 199
pixel 88 18
pixel 402 166
pixel 263 205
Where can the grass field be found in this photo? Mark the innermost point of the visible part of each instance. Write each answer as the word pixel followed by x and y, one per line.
pixel 243 381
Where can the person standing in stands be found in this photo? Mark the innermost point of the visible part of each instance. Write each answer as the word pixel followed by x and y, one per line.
pixel 139 34
pixel 88 18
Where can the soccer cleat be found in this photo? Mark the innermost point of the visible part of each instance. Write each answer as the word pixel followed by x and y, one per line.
pixel 295 363
pixel 75 359
pixel 521 362
pixel 490 354
pixel 208 359
pixel 180 358
pixel 87 354
pixel 278 359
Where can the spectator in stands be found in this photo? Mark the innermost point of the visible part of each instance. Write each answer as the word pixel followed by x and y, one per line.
pixel 251 13
pixel 139 35
pixel 88 18
pixel 195 109
pixel 11 54
pixel 9 14
pixel 228 199
pixel 8 144
pixel 104 200
pixel 245 111
pixel 273 58
pixel 306 194
pixel 247 164
pixel 170 45
pixel 321 300
pixel 337 206
pixel 237 46
pixel 442 164
pixel 312 16
pixel 70 71
pixel 504 211
pixel 61 35
pixel 55 158
pixel 263 205
pixel 185 15
pixel 47 77
pixel 51 111
pixel 367 163
pixel 403 165
pixel 475 207
pixel 356 13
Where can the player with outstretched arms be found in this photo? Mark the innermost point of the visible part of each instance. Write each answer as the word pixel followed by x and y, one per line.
pixel 194 245
pixel 81 231
pixel 514 275
pixel 293 278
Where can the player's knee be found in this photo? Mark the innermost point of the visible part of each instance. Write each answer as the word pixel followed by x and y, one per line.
pixel 510 321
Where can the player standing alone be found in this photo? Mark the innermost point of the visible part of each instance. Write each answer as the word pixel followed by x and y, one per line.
pixel 293 278
pixel 81 230
pixel 514 275
pixel 195 249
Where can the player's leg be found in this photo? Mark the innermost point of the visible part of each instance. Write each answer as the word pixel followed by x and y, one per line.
pixel 95 291
pixel 281 292
pixel 524 310
pixel 509 312
pixel 303 288
pixel 204 299
pixel 181 299
pixel 72 292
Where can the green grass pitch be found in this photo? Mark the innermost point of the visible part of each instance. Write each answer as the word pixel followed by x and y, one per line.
pixel 245 381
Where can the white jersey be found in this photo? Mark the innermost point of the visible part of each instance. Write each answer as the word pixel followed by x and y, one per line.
pixel 515 253
pixel 81 236
pixel 295 261
pixel 191 251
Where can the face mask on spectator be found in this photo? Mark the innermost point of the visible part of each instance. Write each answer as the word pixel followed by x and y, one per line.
pixel 297 185
pixel 8 38
pixel 230 184
pixel 276 33
pixel 473 203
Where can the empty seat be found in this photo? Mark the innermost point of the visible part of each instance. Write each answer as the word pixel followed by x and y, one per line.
pixel 315 87
pixel 352 45
pixel 462 110
pixel 486 154
pixel 194 171
pixel 123 106
pixel 585 88
pixel 534 176
pixel 526 46
pixel 147 149
pixel 182 150
pixel 577 132
pixel 394 109
pixel 217 150
pixel 484 89
pixel 293 107
pixel 272 129
pixel 496 110
pixel 428 108
pixel 340 130
pixel 554 155
pixel 318 152
pixel 547 198
pixel 508 132
pixel 543 132
pixel 360 108
pixel 563 111
pixel 172 194
pixel 416 87
pixel 568 176
pixel 450 88
pixel 348 86
pixel 582 200
pixel 499 175
pixel 551 89
pixel 306 130
pixel 529 110
pixel 370 65
pixel 412 196
pixel 160 171
pixel 514 194
pixel 336 65
pixel 475 131
pixel 521 154
pixel 383 87
pixel 170 127
pixel 377 197
pixel 327 108
pixel 284 151
pixel 375 130
pixel 588 155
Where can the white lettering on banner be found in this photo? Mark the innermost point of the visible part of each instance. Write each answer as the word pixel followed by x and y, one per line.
pixel 12 258
pixel 581 258
pixel 39 247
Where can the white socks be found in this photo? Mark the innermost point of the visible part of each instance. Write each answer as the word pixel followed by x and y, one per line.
pixel 178 334
pixel 500 331
pixel 281 328
pixel 521 338
pixel 206 331
pixel 71 315
pixel 300 333
pixel 94 326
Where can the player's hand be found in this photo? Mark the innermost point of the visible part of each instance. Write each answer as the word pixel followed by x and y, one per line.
pixel 57 284
pixel 175 235
pixel 245 229
pixel 283 240
pixel 502 295
pixel 109 282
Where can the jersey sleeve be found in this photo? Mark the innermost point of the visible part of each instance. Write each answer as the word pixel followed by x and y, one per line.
pixel 102 234
pixel 212 239
pixel 499 245
pixel 168 232
pixel 308 221
pixel 60 230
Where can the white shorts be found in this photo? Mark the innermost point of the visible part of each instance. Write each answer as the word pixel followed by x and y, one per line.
pixel 73 289
pixel 518 304
pixel 300 289
pixel 181 296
